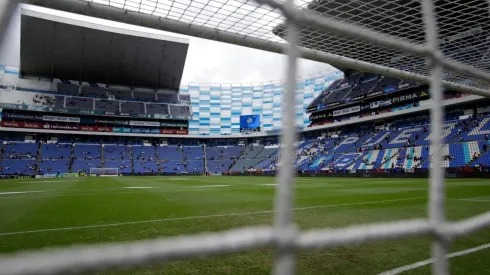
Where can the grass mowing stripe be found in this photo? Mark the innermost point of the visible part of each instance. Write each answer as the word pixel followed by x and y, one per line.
pixel 429 261
pixel 198 217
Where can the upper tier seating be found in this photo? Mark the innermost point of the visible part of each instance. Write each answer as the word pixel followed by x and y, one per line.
pixel 170 98
pixel 132 107
pixel 180 110
pixel 121 94
pixel 144 96
pixel 89 91
pixel 154 108
pixel 107 105
pixel 67 89
pixel 81 103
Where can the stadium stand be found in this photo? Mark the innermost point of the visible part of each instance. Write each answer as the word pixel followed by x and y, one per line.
pixel 107 105
pixel 169 153
pixel 79 103
pixel 132 107
pixel 120 93
pixel 68 89
pixel 403 147
pixel 144 159
pixel 153 108
pixel 97 92
pixel 144 96
pixel 170 98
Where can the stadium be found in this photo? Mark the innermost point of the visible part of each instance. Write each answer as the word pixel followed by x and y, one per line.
pixel 111 163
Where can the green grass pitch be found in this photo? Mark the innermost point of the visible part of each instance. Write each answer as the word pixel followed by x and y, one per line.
pixel 38 213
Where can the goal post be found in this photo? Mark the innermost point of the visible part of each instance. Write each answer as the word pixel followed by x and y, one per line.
pixel 104 172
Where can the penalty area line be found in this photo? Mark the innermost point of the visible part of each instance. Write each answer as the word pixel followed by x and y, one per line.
pixel 197 217
pixel 429 261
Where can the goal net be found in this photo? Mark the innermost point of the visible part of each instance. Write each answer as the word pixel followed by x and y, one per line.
pixel 104 172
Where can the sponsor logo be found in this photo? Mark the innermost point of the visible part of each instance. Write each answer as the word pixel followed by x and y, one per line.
pixel 33 125
pixel 404 85
pixel 11 124
pixel 374 94
pixel 61 119
pixel 61 127
pixel 389 89
pixel 86 128
pixel 144 123
pixel 86 112
pixel 103 129
pixel 346 111
pixel 404 98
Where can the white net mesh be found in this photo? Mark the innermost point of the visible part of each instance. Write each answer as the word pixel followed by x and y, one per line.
pixel 382 31
pixel 463 27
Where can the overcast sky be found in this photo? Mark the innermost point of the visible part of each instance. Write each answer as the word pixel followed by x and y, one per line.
pixel 207 61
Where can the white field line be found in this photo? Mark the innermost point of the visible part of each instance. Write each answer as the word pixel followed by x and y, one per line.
pixel 139 187
pixel 210 186
pixel 48 181
pixel 198 217
pixel 429 261
pixel 19 192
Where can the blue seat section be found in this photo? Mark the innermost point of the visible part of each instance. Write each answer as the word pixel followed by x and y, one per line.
pixel 18 167
pixel 85 157
pixel 192 152
pixel 55 151
pixel 84 166
pixel 124 166
pixel 172 167
pixel 168 153
pixel 228 152
pixel 144 159
pixel 54 166
pixel 194 166
pixel 219 166
pixel 86 151
pixel 20 150
pixel 477 129
pixel 117 152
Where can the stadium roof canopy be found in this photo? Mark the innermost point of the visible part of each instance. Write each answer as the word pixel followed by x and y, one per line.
pixel 463 26
pixel 70 49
